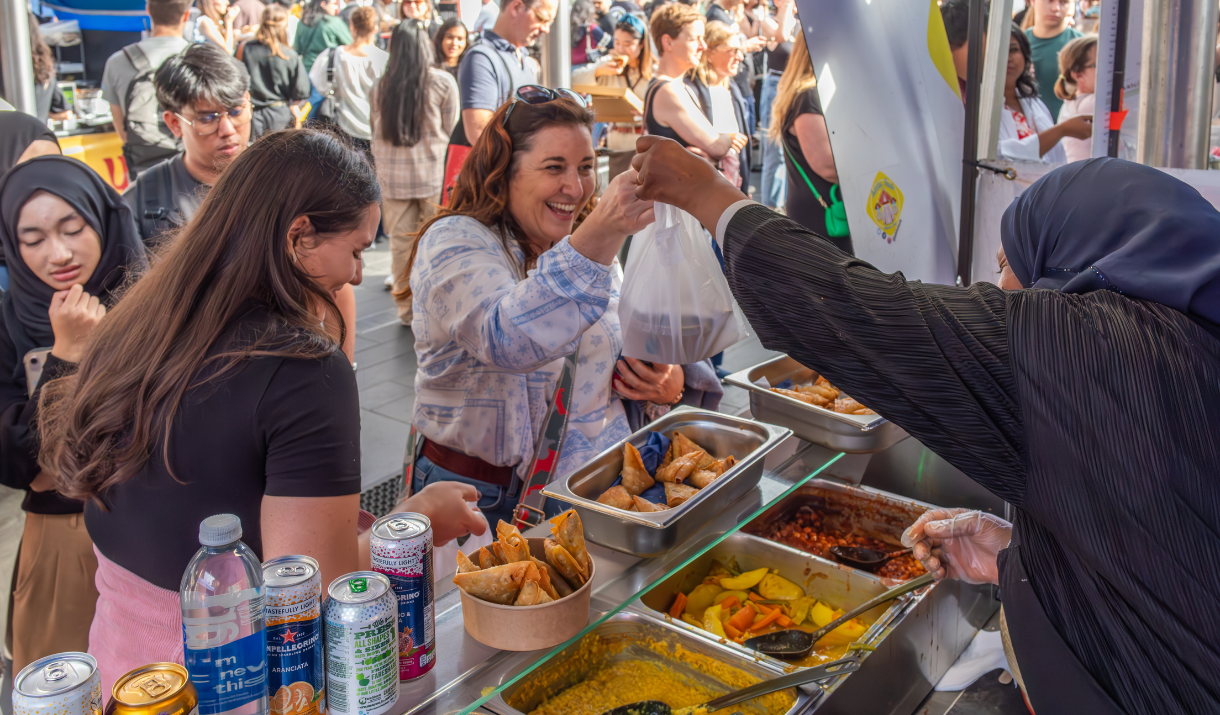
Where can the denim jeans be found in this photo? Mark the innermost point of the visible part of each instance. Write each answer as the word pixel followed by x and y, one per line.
pixel 774 188
pixel 495 502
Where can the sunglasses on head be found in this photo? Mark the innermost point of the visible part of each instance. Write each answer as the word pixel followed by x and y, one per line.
pixel 536 95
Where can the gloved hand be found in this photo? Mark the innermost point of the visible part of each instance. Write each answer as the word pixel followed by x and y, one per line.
pixel 959 543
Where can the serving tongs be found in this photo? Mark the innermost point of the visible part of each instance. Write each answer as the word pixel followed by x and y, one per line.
pixel 795 644
pixel 800 677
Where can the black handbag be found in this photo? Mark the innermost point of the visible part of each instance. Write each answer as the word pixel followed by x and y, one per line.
pixel 327 112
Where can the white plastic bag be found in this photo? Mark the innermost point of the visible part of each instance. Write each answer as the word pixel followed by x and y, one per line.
pixel 676 307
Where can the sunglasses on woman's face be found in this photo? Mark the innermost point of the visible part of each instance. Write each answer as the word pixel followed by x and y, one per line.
pixel 534 94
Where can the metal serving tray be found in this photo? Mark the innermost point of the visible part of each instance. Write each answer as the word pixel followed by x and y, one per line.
pixel 826 581
pixel 568 667
pixel 853 434
pixel 655 533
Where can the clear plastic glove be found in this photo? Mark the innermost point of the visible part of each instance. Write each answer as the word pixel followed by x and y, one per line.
pixel 959 543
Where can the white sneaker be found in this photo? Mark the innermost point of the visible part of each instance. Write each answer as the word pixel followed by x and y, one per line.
pixel 389 282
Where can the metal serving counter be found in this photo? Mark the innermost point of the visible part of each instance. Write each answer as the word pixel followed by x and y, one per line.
pixel 916 643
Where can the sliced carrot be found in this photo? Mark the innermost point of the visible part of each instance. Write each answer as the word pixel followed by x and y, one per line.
pixel 784 621
pixel 743 619
pixel 767 620
pixel 679 604
pixel 731 632
pixel 755 597
pixel 730 602
pixel 765 610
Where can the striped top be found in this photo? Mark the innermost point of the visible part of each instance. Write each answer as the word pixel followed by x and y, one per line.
pixel 1094 415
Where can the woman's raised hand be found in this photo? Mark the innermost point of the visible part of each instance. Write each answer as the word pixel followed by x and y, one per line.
pixel 445 505
pixel 618 214
pixel 74 314
pixel 959 543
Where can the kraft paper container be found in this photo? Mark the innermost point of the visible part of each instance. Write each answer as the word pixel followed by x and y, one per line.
pixel 522 628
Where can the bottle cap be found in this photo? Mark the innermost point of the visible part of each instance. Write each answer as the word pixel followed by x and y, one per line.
pixel 219 530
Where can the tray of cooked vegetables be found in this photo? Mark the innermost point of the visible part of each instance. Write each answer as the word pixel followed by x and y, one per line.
pixel 785 392
pixel 650 492
pixel 747 587
pixel 527 593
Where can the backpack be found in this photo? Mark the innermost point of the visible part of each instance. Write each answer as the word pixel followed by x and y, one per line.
pixel 148 139
pixel 154 204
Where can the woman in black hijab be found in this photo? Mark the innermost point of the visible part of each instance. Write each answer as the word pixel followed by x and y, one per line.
pixel 71 244
pixel 1093 409
pixel 22 138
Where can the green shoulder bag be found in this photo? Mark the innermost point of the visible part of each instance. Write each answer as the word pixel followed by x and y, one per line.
pixel 836 212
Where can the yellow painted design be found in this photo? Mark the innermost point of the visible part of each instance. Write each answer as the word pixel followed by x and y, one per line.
pixel 885 206
pixel 938 48
pixel 103 153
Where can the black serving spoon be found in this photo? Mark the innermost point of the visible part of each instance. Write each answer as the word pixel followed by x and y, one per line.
pixel 796 644
pixel 800 677
pixel 862 558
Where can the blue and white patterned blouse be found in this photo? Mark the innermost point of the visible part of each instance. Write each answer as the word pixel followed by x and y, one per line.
pixel 489 341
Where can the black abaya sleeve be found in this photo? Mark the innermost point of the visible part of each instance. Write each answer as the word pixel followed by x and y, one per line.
pixel 933 359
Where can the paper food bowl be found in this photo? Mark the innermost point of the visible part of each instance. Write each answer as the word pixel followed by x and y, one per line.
pixel 523 628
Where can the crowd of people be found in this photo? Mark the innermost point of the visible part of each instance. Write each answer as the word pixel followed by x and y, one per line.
pixel 186 348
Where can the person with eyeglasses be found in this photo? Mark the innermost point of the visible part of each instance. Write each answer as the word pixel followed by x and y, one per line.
pixel 204 95
pixel 715 81
pixel 1046 27
pixel 513 277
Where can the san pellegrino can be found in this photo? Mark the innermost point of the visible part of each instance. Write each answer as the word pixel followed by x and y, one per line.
pixel 361 616
pixel 157 689
pixel 401 547
pixel 296 678
pixel 60 684
pixel 223 633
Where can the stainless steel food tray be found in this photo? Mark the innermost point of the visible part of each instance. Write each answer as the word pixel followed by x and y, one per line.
pixel 566 669
pixel 826 581
pixel 853 434
pixel 655 533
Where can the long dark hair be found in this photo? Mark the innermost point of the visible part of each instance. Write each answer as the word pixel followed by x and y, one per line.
pixel 100 426
pixel 481 189
pixel 44 59
pixel 1027 83
pixel 444 29
pixel 312 12
pixel 402 94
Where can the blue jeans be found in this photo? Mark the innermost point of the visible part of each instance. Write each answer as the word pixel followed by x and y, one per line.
pixel 496 502
pixel 774 188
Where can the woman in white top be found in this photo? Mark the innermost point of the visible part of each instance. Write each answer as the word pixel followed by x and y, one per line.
pixel 1075 86
pixel 215 23
pixel 357 67
pixel 1027 131
pixel 719 66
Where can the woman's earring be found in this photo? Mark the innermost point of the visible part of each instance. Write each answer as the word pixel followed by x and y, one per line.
pixel 293 256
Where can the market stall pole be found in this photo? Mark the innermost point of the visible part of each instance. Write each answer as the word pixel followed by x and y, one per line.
pixel 15 50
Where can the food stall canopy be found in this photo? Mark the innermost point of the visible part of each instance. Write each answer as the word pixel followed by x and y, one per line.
pixel 113 15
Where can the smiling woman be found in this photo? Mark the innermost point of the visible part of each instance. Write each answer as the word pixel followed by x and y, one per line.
pixel 70 242
pixel 514 277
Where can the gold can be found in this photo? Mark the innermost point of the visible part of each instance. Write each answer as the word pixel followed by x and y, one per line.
pixel 157 689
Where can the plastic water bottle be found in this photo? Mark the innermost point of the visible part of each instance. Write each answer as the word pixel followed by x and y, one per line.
pixel 223 630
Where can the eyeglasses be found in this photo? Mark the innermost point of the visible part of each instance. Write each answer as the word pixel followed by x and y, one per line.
pixel 535 95
pixel 208 123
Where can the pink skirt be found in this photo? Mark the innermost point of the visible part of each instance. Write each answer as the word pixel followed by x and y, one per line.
pixel 135 624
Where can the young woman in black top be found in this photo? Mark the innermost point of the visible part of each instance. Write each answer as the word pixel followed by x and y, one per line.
pixel 218 386
pixel 71 242
pixel 278 78
pixel 798 126
pixel 450 45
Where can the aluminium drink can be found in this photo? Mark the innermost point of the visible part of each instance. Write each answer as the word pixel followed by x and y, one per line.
pixel 401 547
pixel 60 684
pixel 296 677
pixel 157 689
pixel 361 620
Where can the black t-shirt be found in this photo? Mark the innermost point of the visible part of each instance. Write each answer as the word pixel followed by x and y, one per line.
pixel 271 426
pixel 777 59
pixel 803 207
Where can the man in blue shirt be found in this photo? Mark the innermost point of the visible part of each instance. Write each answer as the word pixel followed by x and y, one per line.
pixel 495 68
